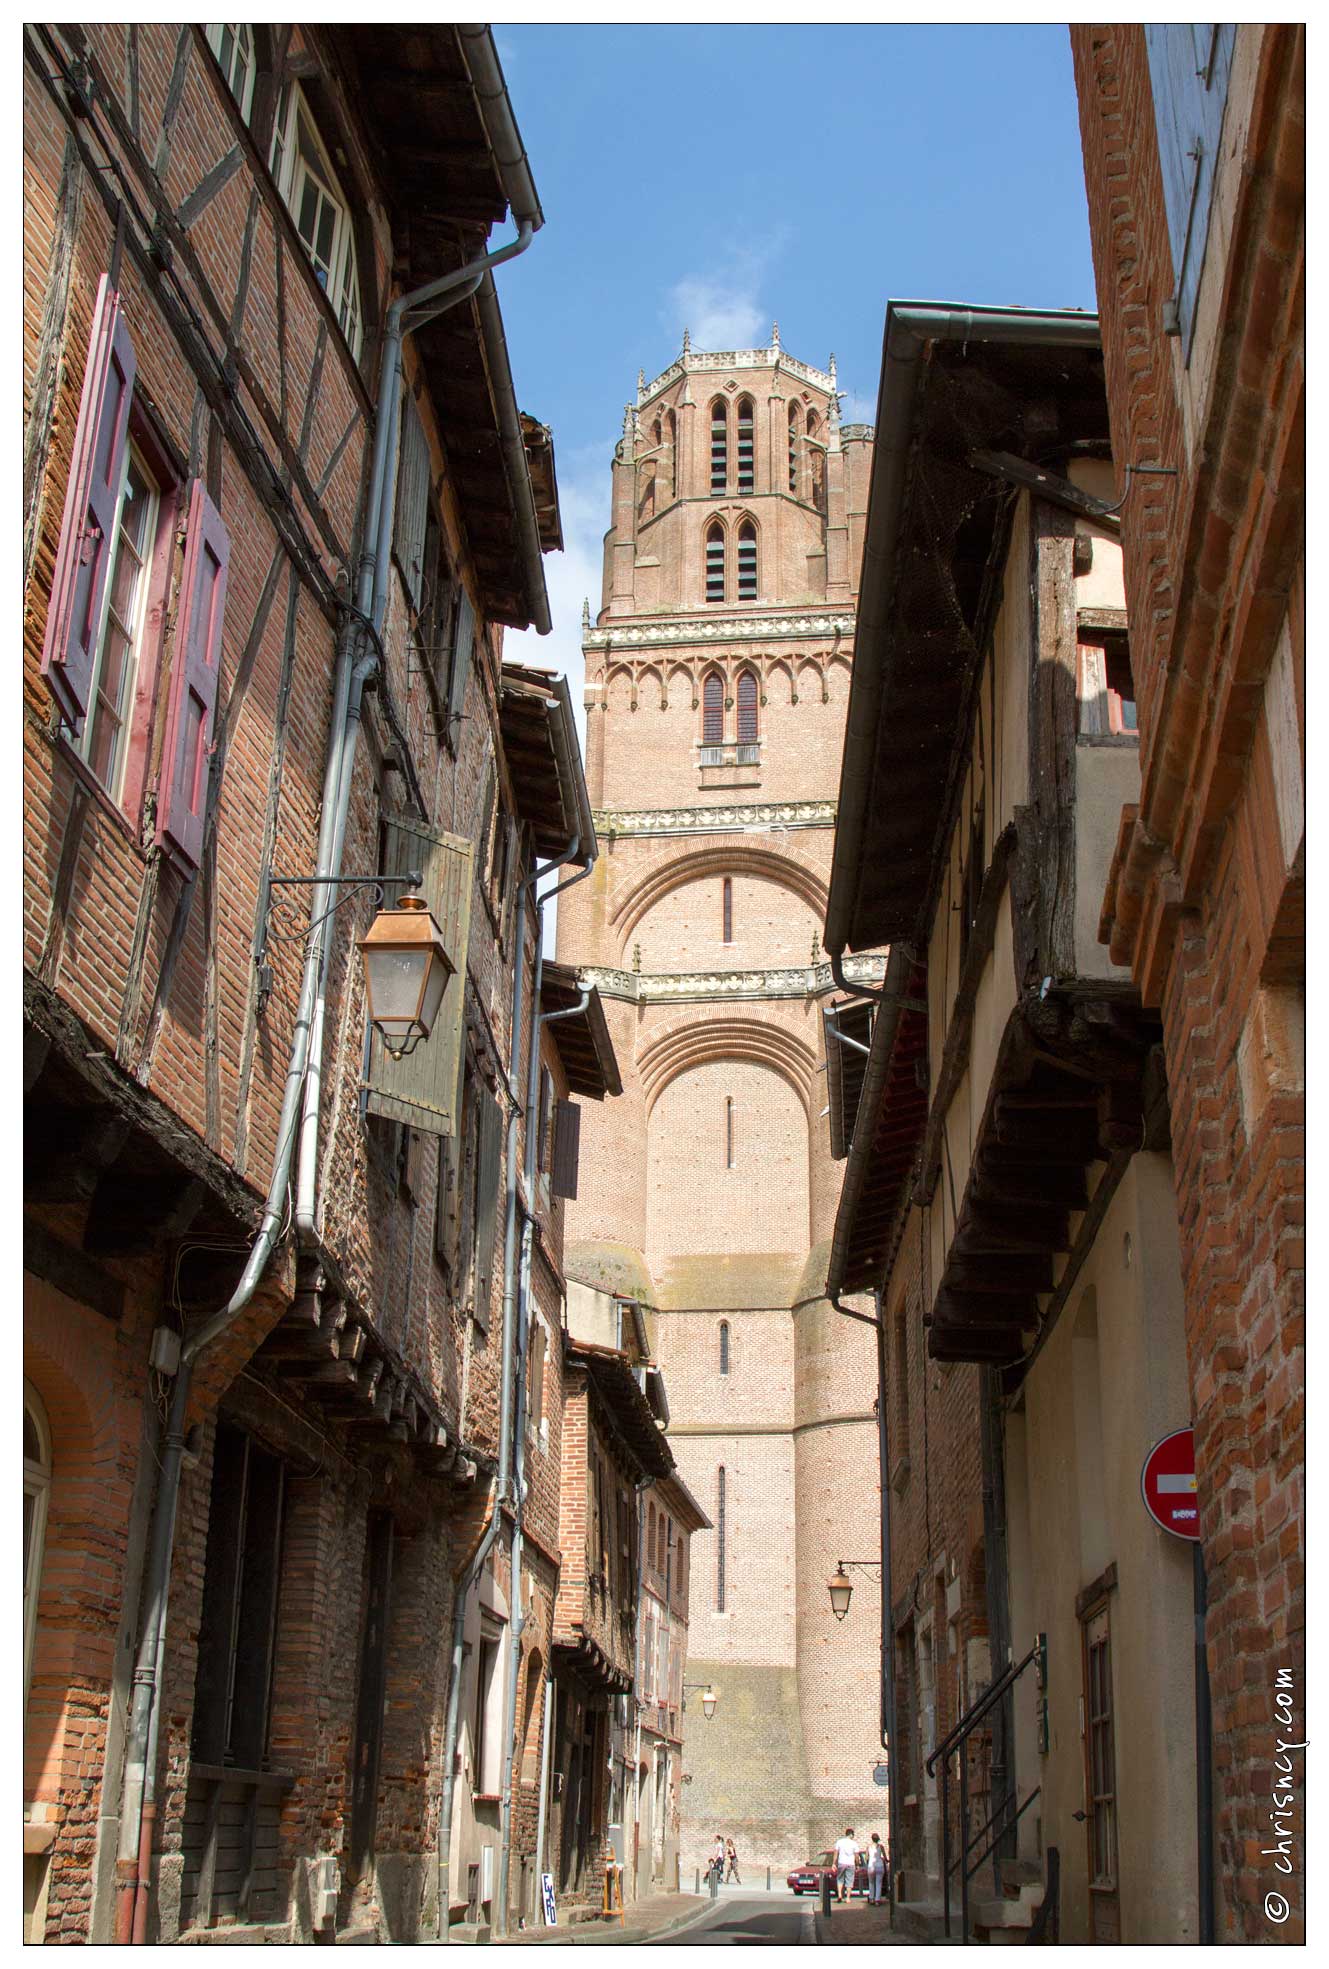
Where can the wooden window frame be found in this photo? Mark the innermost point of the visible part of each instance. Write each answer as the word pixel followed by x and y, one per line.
pixel 293 172
pixel 240 1612
pixel 240 34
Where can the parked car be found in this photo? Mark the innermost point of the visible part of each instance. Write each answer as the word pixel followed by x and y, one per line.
pixel 807 1879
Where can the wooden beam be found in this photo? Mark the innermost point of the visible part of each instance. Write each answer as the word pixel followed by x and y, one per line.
pixel 71 1272
pixel 1049 485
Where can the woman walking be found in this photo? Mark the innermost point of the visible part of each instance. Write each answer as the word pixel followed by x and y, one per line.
pixel 731 1852
pixel 876 1867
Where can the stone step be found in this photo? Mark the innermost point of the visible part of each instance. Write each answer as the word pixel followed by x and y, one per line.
pixel 1020 1873
pixel 923 1921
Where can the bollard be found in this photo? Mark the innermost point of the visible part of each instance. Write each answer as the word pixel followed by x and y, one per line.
pixel 715 1882
pixel 826 1882
pixel 696 1887
pixel 768 1880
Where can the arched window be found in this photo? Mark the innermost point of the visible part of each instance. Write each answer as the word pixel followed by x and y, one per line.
pixel 747 705
pixel 727 910
pixel 712 709
pixel 747 562
pixel 745 467
pixel 719 1539
pixel 36 1490
pixel 670 462
pixel 322 212
pixel 793 447
pixel 715 562
pixel 816 463
pixel 729 1131
pixel 719 445
pixel 646 503
pixel 650 1537
pixel 724 1346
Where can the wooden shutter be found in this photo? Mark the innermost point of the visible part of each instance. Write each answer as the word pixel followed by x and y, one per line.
pixel 567 1147
pixel 489 1183
pixel 1189 66
pixel 463 639
pixel 413 475
pixel 422 1089
pixel 87 530
pixel 193 699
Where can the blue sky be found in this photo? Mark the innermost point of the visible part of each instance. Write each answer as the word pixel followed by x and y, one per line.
pixel 724 177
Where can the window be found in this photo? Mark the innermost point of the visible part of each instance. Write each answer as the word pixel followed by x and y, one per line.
pixel 1120 684
pixel 566 1154
pixel 36 1492
pixel 719 1539
pixel 306 180
pixel 747 695
pixel 651 1544
pixel 745 455
pixel 486 1731
pixel 662 1554
pixel 234 48
pixel 729 1131
pixel 1106 686
pixel 242 1573
pixel 1189 66
pixel 546 1121
pixel 715 562
pixel 793 447
pixel 747 562
pixel 724 1346
pixel 535 1377
pixel 728 910
pixel 110 576
pixel 816 463
pixel 719 445
pixel 712 709
pixel 670 468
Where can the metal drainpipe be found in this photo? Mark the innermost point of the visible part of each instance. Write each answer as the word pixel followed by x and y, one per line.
pixel 647 1483
pixel 517 1620
pixel 888 1736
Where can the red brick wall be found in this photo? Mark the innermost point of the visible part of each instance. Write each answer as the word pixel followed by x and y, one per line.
pixel 1206 903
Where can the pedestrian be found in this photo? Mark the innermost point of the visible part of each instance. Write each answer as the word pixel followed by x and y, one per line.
pixel 876 1866
pixel 846 1859
pixel 732 1853
pixel 716 1865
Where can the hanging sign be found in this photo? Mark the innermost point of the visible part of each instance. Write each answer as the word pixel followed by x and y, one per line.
pixel 1167 1484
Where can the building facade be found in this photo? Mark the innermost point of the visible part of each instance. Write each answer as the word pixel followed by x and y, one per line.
pixel 1194 141
pixel 271 1272
pixel 672 1515
pixel 717 674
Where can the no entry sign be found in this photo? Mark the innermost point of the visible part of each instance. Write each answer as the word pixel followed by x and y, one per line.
pixel 1167 1484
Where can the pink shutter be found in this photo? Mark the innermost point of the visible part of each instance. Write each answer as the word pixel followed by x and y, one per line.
pixel 86 542
pixel 184 788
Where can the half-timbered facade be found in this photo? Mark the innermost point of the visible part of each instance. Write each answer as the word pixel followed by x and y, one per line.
pixel 265 1304
pixel 1008 1190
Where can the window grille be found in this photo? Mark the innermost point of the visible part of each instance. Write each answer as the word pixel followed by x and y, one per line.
pixel 745 464
pixel 747 562
pixel 747 755
pixel 715 563
pixel 728 936
pixel 747 701
pixel 711 755
pixel 719 445
pixel 712 713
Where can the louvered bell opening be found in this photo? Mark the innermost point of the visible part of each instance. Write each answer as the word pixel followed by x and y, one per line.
pixel 712 712
pixel 747 565
pixel 719 448
pixel 745 453
pixel 747 708
pixel 715 566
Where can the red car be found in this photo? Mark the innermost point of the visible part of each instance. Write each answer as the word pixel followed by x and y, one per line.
pixel 807 1879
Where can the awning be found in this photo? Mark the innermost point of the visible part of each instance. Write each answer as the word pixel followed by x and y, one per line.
pixel 630 1414
pixel 582 1039
pixel 544 758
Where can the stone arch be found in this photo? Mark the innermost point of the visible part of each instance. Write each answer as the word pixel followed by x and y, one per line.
pixel 780 667
pixel 810 679
pixel 682 676
pixel 838 677
pixel 652 676
pixel 619 688
pixel 632 904
pixel 532 1719
pixel 680 1048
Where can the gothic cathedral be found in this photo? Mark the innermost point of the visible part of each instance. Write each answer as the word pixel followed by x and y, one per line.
pixel 717 675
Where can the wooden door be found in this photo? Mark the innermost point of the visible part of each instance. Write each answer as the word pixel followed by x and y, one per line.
pixel 1100 1764
pixel 373 1687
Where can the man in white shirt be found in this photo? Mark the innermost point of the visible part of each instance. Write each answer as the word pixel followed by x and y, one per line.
pixel 845 1861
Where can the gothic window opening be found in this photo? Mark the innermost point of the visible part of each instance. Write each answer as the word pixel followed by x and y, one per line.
pixel 712 709
pixel 729 1131
pixel 715 563
pixel 747 699
pixel 233 45
pixel 669 466
pixel 793 447
pixel 816 463
pixel 745 452
pixel 719 445
pixel 724 1346
pixel 719 1539
pixel 727 907
pixel 747 562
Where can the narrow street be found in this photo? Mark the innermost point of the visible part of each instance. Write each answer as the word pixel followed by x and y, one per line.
pixel 749 1918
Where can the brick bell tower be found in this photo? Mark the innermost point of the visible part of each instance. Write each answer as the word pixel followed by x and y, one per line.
pixel 717 675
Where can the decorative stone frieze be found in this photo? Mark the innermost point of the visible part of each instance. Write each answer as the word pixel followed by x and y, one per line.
pixel 760 817
pixel 797 981
pixel 720 629
pixel 696 359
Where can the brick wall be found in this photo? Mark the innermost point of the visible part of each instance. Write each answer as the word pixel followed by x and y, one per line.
pixel 1206 899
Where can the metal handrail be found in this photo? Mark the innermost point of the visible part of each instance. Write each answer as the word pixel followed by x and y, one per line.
pixel 997 1835
pixel 943 1753
pixel 974 1716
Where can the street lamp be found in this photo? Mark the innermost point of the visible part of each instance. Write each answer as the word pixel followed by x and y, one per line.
pixel 841 1587
pixel 709 1697
pixel 406 973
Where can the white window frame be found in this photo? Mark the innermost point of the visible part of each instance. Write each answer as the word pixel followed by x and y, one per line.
pixel 134 628
pixel 239 79
pixel 37 1486
pixel 299 161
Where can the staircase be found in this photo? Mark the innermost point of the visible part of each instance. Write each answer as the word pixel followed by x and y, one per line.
pixel 1012 1918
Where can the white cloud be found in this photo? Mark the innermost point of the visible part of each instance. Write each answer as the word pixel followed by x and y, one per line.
pixel 856 409
pixel 719 312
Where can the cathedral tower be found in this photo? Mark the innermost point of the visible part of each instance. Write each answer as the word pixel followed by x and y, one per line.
pixel 717 675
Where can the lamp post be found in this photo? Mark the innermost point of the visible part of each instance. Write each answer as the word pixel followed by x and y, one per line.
pixel 841 1587
pixel 709 1697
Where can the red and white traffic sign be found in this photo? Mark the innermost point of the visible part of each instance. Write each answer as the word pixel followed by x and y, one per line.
pixel 1167 1484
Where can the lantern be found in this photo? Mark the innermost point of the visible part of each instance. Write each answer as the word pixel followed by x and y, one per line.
pixel 406 973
